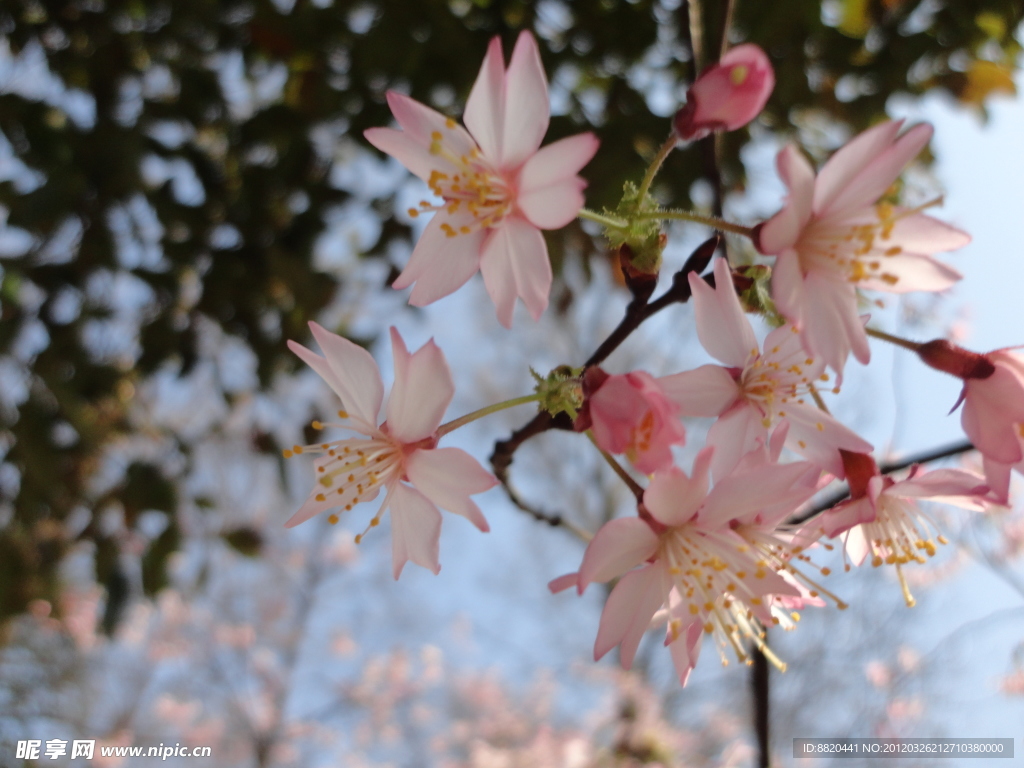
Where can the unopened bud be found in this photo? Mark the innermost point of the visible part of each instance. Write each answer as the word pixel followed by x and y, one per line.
pixel 945 356
pixel 727 95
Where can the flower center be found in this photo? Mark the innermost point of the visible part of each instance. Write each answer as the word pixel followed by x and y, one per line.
pixel 725 579
pixel 855 247
pixel 475 190
pixel 856 251
pixel 772 380
pixel 898 535
pixel 354 470
pixel 640 436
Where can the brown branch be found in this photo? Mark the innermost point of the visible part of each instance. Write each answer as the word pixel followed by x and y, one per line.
pixel 640 310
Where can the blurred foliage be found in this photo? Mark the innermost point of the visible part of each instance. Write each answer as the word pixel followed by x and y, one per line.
pixel 181 153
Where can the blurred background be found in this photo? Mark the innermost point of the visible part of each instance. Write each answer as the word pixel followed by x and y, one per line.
pixel 184 185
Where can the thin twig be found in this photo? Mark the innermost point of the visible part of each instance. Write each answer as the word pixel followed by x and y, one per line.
pixel 640 310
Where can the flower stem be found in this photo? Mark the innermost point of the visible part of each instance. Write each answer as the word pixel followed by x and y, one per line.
pixel 454 424
pixel 652 171
pixel 622 473
pixel 609 221
pixel 913 346
pixel 712 221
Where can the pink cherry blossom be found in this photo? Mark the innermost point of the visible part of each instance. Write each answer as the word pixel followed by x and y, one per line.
pixel 755 391
pixel 499 188
pixel 993 399
pixel 727 95
pixel 882 517
pixel 400 455
pixel 833 236
pixel 708 562
pixel 631 414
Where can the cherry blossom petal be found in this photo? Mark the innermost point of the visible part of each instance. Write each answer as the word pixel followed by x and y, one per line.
pixel 321 366
pixel 856 544
pixel 313 506
pixel 411 153
pixel 685 650
pixel 739 495
pixel 563 583
pixel 946 486
pixel 705 391
pixel 912 272
pixel 627 612
pixel 447 477
pixel 846 515
pixel 515 263
pixel 421 393
pixel 485 107
pixel 844 166
pixel 618 546
pixel 879 174
pixel 832 325
pixel 991 407
pixel 673 498
pixel 738 431
pixel 722 328
pixel 440 264
pixel 997 476
pixel 783 229
pixel 420 123
pixel 788 291
pixel 550 193
pixel 356 376
pixel 415 530
pixel 817 437
pixel 527 109
pixel 920 233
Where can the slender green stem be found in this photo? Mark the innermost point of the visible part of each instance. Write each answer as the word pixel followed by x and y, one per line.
pixel 633 485
pixel 608 221
pixel 652 171
pixel 712 221
pixel 913 346
pixel 444 429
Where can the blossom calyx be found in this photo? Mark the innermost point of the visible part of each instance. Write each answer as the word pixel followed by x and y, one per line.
pixel 560 391
pixel 945 356
pixel 727 95
pixel 642 236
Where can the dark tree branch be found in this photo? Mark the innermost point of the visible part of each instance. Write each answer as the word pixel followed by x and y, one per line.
pixel 759 684
pixel 640 310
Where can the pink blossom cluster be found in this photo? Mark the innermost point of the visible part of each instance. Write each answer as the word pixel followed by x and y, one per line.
pixel 721 549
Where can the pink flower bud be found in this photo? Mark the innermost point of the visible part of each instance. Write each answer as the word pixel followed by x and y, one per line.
pixel 727 95
pixel 631 414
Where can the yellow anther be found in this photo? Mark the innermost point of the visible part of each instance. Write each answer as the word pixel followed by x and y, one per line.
pixel 286 453
pixel 332 519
